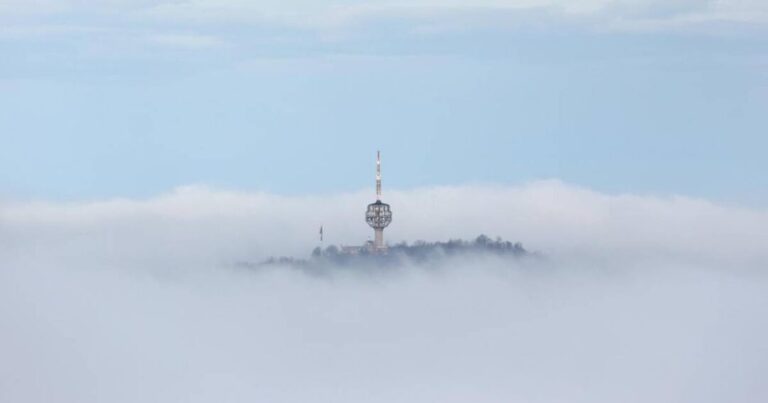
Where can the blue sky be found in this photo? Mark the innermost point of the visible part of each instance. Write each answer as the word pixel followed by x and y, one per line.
pixel 131 98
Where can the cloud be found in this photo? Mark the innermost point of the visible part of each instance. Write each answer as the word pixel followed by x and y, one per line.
pixel 186 41
pixel 41 31
pixel 332 15
pixel 642 298
pixel 549 216
pixel 42 35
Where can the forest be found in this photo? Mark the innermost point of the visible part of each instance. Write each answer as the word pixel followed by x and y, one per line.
pixel 421 253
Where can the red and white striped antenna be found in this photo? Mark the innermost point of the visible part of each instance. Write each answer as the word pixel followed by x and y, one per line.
pixel 378 175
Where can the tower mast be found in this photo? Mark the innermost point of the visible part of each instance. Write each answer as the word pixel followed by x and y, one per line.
pixel 378 175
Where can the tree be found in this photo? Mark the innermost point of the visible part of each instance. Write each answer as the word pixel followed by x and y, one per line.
pixel 331 250
pixel 482 240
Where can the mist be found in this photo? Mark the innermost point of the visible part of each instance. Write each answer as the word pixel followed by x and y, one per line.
pixel 639 298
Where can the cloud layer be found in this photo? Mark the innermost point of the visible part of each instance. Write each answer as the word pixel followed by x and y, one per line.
pixel 334 13
pixel 641 299
pixel 127 23
pixel 549 216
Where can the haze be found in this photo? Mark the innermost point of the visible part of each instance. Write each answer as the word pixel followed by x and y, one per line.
pixel 638 299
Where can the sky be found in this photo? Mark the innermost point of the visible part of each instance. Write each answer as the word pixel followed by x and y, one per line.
pixel 133 98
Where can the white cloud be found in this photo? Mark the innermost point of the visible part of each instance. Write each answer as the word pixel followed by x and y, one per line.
pixel 186 41
pixel 547 216
pixel 643 299
pixel 25 31
pixel 600 14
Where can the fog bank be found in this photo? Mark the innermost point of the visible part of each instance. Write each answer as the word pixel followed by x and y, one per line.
pixel 639 299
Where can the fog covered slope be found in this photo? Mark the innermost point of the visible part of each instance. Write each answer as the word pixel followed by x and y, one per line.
pixel 640 298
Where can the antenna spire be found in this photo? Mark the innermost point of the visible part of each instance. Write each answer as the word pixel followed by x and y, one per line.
pixel 378 175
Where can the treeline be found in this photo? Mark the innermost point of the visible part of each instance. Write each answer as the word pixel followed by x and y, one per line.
pixel 481 244
pixel 420 252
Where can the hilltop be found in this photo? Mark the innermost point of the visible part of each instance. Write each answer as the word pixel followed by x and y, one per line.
pixel 419 253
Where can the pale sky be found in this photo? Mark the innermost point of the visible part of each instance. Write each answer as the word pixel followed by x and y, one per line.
pixel 132 98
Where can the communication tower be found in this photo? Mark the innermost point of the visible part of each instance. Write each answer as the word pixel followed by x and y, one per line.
pixel 378 215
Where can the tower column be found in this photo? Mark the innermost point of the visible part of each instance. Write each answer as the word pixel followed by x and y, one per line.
pixel 378 240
